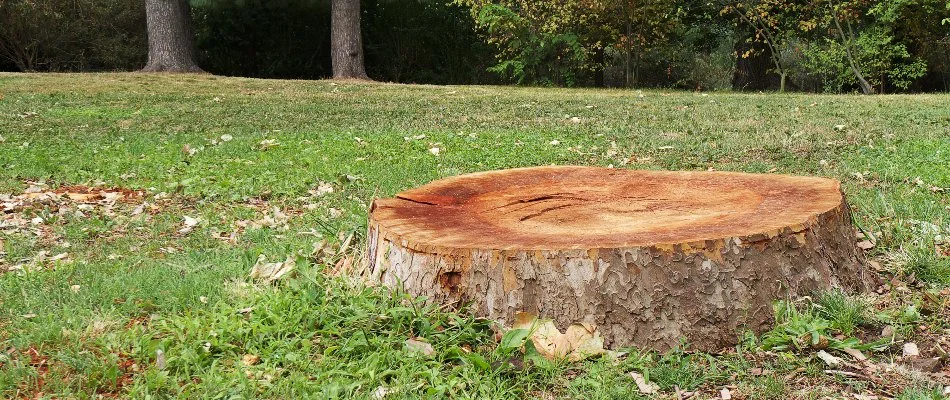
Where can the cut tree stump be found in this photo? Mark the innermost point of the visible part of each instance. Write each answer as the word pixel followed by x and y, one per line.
pixel 652 258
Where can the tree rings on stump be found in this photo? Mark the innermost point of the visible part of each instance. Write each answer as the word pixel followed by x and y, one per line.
pixel 649 257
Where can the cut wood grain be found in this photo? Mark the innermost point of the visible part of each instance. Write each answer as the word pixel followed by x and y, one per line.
pixel 649 257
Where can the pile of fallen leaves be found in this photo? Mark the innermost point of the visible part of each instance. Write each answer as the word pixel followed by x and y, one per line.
pixel 31 212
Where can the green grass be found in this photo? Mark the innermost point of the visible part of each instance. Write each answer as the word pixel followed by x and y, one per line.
pixel 144 287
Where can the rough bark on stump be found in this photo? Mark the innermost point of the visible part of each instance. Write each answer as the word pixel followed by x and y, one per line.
pixel 650 257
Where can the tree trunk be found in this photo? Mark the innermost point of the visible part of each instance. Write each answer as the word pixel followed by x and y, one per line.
pixel 346 41
pixel 649 257
pixel 627 64
pixel 752 73
pixel 171 43
pixel 847 39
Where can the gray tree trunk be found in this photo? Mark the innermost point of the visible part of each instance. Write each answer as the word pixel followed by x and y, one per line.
pixel 171 46
pixel 346 42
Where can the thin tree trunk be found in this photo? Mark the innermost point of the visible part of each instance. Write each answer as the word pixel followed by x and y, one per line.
pixel 346 42
pixel 171 43
pixel 773 47
pixel 628 66
pixel 866 87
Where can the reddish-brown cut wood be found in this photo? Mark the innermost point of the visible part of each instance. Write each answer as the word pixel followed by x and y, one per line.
pixel 650 257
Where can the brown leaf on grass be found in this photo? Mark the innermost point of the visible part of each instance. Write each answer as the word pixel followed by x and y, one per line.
pixel 911 350
pixel 267 143
pixel 250 359
pixel 578 342
pixel 188 225
pixel 725 394
pixel 857 354
pixel 419 347
pixel 266 272
pixel 829 359
pixel 642 385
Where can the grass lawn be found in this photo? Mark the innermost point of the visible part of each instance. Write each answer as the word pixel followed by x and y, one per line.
pixel 118 294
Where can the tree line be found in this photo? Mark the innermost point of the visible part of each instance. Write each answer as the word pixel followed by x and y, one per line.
pixel 867 46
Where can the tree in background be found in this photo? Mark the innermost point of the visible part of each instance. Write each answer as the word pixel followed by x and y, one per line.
pixel 171 45
pixel 263 38
pixel 773 23
pixel 346 40
pixel 528 53
pixel 71 35
pixel 566 42
pixel 644 25
pixel 896 45
pixel 537 42
pixel 854 43
pixel 424 41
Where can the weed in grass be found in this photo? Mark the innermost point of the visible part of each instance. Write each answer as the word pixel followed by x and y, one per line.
pixel 678 369
pixel 843 312
pixel 800 326
pixel 602 380
pixel 927 266
pixel 330 337
pixel 918 393
pixel 767 388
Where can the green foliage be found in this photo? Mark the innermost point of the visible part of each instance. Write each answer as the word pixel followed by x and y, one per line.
pixel 330 337
pixel 683 370
pixel 529 55
pixel 920 393
pixel 928 266
pixel 804 326
pixel 71 35
pixel 845 313
pixel 884 62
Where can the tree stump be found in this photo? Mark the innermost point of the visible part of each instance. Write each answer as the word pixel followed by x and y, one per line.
pixel 649 257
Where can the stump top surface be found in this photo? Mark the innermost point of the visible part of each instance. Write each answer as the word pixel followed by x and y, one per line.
pixel 568 207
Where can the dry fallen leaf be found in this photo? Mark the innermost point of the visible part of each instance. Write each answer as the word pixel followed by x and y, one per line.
pixel 578 342
pixel 419 347
pixel 322 189
pixel 267 143
pixel 828 358
pixel 642 385
pixel 911 350
pixel 269 272
pixel 189 225
pixel 380 392
pixel 857 354
pixel 160 359
pixel 725 394
pixel 250 359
